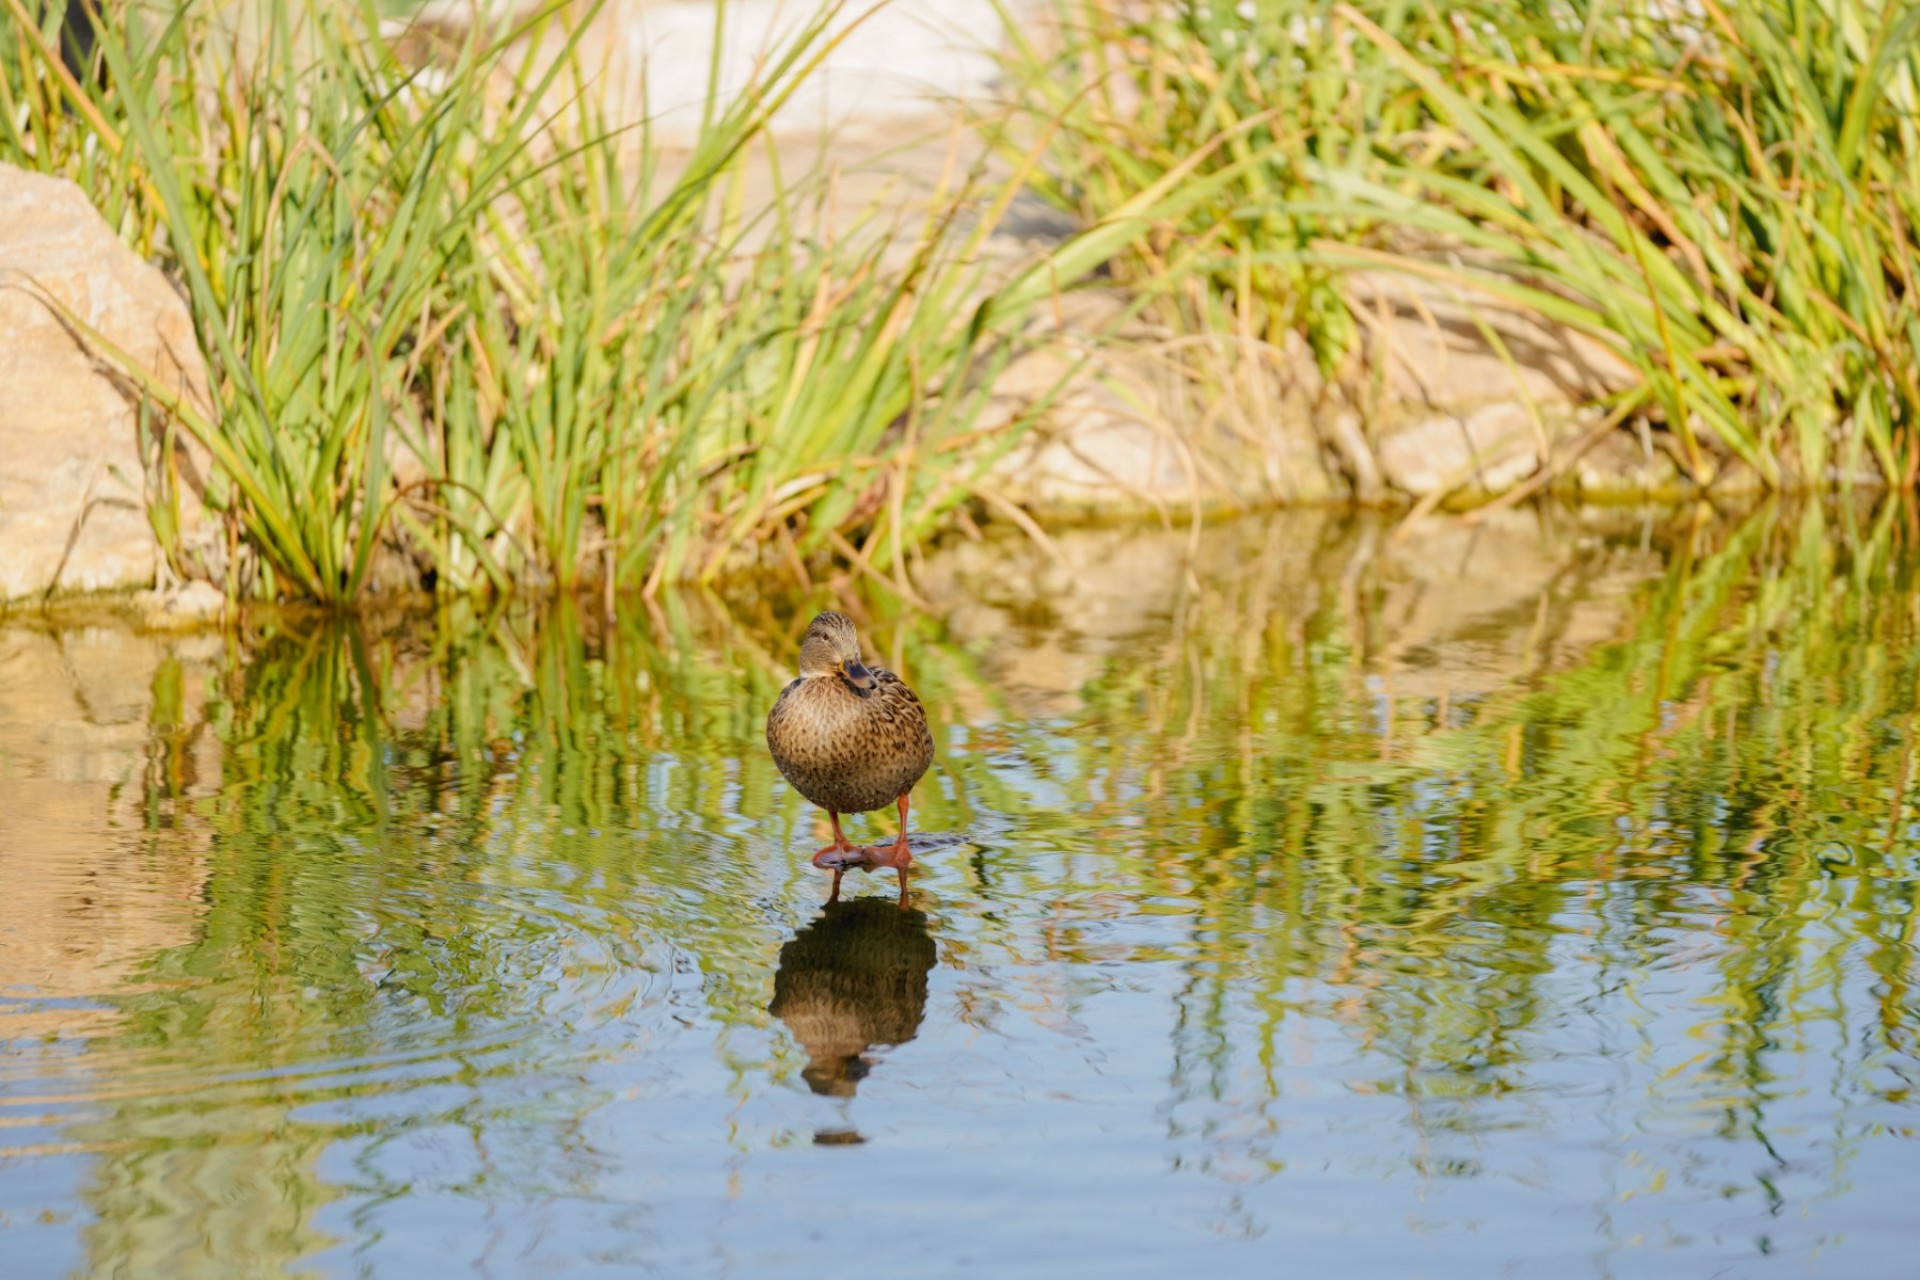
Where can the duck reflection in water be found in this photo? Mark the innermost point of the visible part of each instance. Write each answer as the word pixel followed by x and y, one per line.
pixel 853 980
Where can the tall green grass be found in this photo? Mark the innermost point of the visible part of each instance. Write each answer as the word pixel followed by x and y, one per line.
pixel 1725 196
pixel 463 328
pixel 1129 93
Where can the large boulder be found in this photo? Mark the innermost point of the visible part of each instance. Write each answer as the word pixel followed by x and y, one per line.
pixel 73 483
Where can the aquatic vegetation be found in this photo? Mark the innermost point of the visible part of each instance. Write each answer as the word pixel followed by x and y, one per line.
pixel 1725 196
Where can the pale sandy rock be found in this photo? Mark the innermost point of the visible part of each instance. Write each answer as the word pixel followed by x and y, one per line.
pixel 1136 431
pixel 1097 457
pixel 910 59
pixel 1620 466
pixel 1488 451
pixel 190 605
pixel 1441 347
pixel 1130 429
pixel 1092 457
pixel 1345 429
pixel 72 482
pixel 1461 397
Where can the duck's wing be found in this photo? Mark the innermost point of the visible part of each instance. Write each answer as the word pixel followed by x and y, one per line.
pixel 893 689
pixel 898 708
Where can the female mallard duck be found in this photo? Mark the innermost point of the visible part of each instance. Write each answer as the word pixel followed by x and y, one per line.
pixel 850 738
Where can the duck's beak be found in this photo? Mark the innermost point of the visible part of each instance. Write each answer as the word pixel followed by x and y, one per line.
pixel 858 678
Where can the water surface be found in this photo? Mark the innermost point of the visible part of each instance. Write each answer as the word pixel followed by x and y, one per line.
pixel 1530 899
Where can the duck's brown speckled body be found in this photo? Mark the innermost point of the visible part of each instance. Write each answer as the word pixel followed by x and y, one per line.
pixel 850 738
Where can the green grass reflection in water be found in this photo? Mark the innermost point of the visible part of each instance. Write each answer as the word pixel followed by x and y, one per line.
pixel 1572 933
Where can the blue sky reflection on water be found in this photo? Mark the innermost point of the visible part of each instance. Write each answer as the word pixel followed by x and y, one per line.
pixel 1533 900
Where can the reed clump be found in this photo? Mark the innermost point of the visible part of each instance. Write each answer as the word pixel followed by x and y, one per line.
pixel 1723 195
pixel 463 330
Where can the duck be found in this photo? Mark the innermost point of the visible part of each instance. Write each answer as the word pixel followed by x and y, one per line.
pixel 850 738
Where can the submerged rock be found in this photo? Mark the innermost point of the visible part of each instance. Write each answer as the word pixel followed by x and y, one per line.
pixel 73 483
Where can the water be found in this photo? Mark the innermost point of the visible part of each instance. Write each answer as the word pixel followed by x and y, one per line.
pixel 1530 899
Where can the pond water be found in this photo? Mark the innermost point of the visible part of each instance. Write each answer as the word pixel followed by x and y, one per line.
pixel 1530 898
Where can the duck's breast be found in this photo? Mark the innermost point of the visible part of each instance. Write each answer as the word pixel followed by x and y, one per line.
pixel 849 753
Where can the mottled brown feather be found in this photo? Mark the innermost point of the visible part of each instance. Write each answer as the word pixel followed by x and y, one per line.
pixel 845 752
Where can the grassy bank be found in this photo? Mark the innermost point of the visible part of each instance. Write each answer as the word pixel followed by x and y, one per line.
pixel 1723 195
pixel 462 330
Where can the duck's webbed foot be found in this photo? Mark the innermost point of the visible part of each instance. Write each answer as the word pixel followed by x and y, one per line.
pixel 843 856
pixel 839 855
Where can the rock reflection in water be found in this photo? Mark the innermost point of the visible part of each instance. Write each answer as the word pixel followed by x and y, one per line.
pixel 852 981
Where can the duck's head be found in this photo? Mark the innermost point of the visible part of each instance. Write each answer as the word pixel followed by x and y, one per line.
pixel 832 650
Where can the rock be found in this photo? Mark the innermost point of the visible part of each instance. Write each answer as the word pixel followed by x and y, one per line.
pixel 192 605
pixel 1620 468
pixel 73 486
pixel 1362 465
pixel 1432 344
pixel 1091 456
pixel 1131 430
pixel 1487 451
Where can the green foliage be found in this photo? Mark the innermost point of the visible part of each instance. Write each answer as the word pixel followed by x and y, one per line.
pixel 1134 93
pixel 1725 198
pixel 459 325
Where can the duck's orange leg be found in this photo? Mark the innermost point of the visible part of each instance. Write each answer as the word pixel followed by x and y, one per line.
pixel 900 858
